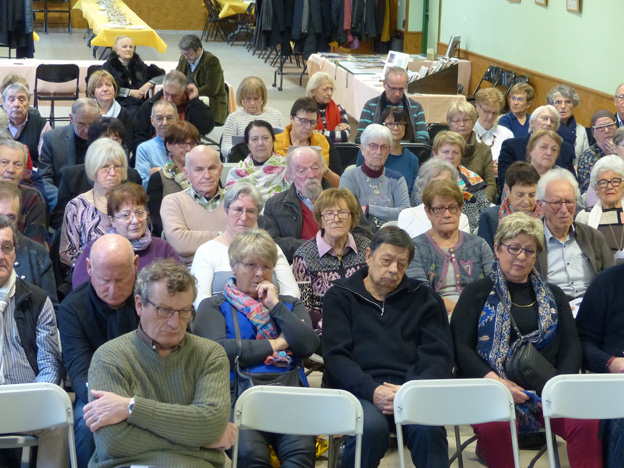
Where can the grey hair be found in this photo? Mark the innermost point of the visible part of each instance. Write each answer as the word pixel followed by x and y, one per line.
pixel 15 87
pixel 616 89
pixel 253 243
pixel 190 41
pixel 433 168
pixel 396 70
pixel 6 222
pixel 295 150
pixel 16 145
pixel 242 188
pixel 177 278
pixel 392 235
pixel 175 78
pixel 317 80
pixel 555 175
pixel 84 104
pixel 607 163
pixel 520 223
pixel 375 131
pixel 565 91
pixel 536 113
pixel 164 102
pixel 618 136
pixel 105 151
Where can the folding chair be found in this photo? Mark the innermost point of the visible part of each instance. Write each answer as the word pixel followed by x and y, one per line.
pixel 238 153
pixel 296 410
pixel 581 396
pixel 453 402
pixel 33 407
pixel 348 153
pixel 491 75
pixel 421 150
pixel 58 75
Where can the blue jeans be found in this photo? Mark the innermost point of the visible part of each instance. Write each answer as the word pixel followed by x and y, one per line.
pixel 85 445
pixel 427 444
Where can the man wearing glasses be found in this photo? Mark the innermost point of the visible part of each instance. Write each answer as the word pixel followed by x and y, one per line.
pixel 619 103
pixel 92 314
pixel 575 253
pixel 394 83
pixel 160 396
pixel 603 125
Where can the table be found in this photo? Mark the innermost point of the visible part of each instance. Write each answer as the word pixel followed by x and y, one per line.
pixel 353 91
pixel 105 33
pixel 231 8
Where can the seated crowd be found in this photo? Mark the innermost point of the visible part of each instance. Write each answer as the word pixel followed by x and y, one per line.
pixel 170 282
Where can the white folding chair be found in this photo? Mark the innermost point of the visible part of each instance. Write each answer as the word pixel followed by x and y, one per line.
pixel 34 407
pixel 450 402
pixel 581 396
pixel 299 411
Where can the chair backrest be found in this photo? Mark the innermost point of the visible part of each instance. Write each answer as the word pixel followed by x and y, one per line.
pixel 507 78
pixel 90 71
pixel 521 79
pixel 491 75
pixel 238 152
pixel 227 167
pixel 420 150
pixel 58 73
pixel 435 128
pixel 348 153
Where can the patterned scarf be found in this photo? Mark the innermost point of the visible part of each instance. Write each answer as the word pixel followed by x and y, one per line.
pixel 469 182
pixel 494 330
pixel 506 210
pixel 171 171
pixel 267 177
pixel 259 317
pixel 139 244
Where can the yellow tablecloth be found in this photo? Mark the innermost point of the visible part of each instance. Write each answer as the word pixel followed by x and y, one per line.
pixel 232 8
pixel 35 36
pixel 105 34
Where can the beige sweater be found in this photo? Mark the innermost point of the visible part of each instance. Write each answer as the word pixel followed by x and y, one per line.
pixel 186 225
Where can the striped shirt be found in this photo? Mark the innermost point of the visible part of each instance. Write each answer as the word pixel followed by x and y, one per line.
pixel 236 123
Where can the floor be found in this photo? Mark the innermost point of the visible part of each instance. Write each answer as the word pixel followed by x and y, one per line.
pixel 237 64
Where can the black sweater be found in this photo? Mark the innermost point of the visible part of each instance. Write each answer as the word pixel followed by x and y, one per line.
pixel 367 342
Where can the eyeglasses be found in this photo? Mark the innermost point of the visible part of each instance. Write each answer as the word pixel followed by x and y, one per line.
pixel 556 205
pixel 604 128
pixel 563 102
pixel 546 118
pixel 16 164
pixel 7 249
pixel 487 112
pixel 126 217
pixel 166 312
pixel 185 144
pixel 440 210
pixel 461 121
pixel 395 89
pixel 107 168
pixel 331 215
pixel 620 97
pixel 394 124
pixel 252 267
pixel 375 147
pixel 238 212
pixel 517 250
pixel 603 184
pixel 82 126
pixel 306 122
pixel 517 99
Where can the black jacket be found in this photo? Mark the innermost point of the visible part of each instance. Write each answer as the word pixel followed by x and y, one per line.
pixel 135 75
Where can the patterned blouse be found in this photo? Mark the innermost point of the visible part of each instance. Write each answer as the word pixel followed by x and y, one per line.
pixel 586 163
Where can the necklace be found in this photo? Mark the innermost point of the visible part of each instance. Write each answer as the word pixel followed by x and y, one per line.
pixel 525 305
pixel 376 188
pixel 480 138
pixel 95 202
pixel 619 246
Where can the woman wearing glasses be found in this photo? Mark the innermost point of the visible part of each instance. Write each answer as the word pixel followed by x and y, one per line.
pixel 448 258
pixel 565 99
pixel 494 315
pixel 477 157
pixel 335 252
pixel 606 215
pixel 275 334
pixel 211 265
pixel 489 103
pixel 603 128
pixel 520 99
pixel 127 212
pixel 382 192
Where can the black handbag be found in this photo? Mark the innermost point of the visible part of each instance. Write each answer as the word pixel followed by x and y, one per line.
pixel 244 380
pixel 527 367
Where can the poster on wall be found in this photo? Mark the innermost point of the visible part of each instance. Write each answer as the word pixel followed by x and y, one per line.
pixel 514 1
pixel 573 5
pixel 541 2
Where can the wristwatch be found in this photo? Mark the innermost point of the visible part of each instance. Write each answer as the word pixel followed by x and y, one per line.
pixel 130 406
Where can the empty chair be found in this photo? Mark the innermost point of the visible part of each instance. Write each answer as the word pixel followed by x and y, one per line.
pixel 301 411
pixel 491 75
pixel 348 153
pixel 59 85
pixel 506 80
pixel 453 402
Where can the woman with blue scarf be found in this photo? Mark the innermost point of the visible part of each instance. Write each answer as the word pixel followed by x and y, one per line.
pixel 494 315
pixel 275 334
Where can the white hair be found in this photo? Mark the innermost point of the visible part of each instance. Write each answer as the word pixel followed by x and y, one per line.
pixel 555 175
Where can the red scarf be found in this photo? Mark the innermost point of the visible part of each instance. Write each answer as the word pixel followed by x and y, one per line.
pixel 332 117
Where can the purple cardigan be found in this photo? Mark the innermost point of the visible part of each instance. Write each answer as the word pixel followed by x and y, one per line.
pixel 158 248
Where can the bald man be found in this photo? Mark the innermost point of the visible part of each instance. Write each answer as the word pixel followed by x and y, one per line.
pixel 195 215
pixel 98 311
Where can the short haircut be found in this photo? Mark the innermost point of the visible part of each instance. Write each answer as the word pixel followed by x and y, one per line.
pixel 16 145
pixel 98 77
pixel 432 169
pixel 17 86
pixel 126 193
pixel 119 38
pixel 105 151
pixel 537 112
pixel 13 78
pixel 88 105
pixel 538 135
pixel 258 123
pixel 181 130
pixel 6 222
pixel 163 103
pixel 190 41
pixel 304 104
pixel 395 70
pixel 521 173
pixel 376 132
pixel 490 96
pixel 254 243
pixel 176 276
pixel 392 235
pixel 334 196
pixel 618 137
pixel 295 150
pixel 399 115
pixel 317 80
pixel 446 137
pixel 8 191
pixel 175 78
pixel 607 163
pixel 105 126
pixel 522 88
pixel 520 223
pixel 242 188
pixel 461 107
pixel 555 175
pixel 443 189
pixel 250 86
pixel 565 91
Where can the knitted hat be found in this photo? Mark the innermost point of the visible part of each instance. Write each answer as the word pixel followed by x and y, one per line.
pixel 600 114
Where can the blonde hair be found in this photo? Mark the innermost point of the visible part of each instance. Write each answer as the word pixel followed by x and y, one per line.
pixel 332 197
pixel 520 223
pixel 446 137
pixel 490 96
pixel 461 107
pixel 96 78
pixel 251 85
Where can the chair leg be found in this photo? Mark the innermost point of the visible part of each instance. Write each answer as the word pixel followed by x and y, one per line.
pixel 32 457
pixel 458 447
pixel 52 113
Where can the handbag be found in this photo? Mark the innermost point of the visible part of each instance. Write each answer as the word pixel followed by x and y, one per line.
pixel 244 380
pixel 526 366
